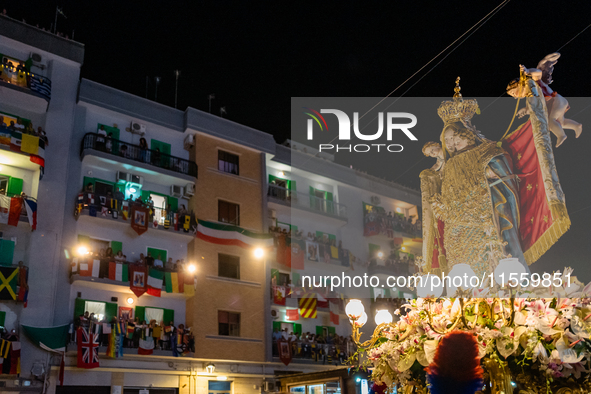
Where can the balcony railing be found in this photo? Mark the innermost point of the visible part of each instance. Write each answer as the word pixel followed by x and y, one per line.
pixel 23 216
pixel 321 353
pixel 136 153
pixel 308 202
pixel 118 209
pixel 20 77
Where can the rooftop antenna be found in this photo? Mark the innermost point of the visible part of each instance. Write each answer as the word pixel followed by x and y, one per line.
pixel 223 111
pixel 176 86
pixel 60 12
pixel 210 97
pixel 157 80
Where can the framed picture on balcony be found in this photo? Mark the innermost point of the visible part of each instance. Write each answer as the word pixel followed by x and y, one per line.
pixel 139 279
pixel 126 313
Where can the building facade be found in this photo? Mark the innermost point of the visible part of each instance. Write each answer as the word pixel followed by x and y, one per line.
pixel 141 211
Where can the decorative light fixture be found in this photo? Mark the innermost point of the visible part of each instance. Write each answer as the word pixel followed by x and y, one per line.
pixel 130 300
pixel 426 286
pixel 259 253
pixel 281 173
pixel 383 316
pixel 398 210
pixel 82 250
pixel 362 320
pixel 354 309
pixel 210 368
pixel 132 189
pixel 462 271
pixel 380 254
pixel 403 248
pixel 191 268
pixel 507 267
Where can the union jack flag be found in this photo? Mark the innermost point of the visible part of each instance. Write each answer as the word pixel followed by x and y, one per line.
pixel 88 344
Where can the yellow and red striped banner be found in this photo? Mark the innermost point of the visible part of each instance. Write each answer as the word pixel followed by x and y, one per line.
pixel 308 305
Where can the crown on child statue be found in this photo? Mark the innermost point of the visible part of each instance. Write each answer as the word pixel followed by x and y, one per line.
pixel 458 109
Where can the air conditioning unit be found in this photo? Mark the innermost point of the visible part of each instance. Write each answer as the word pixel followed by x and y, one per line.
pixel 137 128
pixel 275 314
pixel 176 191
pixel 375 200
pixel 38 60
pixel 123 177
pixel 189 141
pixel 273 214
pixel 189 190
pixel 136 179
pixel 270 386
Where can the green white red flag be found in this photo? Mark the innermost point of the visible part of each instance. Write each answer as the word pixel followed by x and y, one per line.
pixel 227 234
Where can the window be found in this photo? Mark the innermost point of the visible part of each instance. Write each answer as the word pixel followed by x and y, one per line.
pixel 229 323
pixel 217 387
pixel 98 308
pixel 3 184
pixel 228 212
pixel 227 162
pixel 228 266
pixel 102 189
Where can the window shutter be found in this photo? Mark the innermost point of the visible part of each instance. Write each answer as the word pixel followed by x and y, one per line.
pixel 146 195
pixel 173 204
pixel 276 325
pixel 79 307
pixel 168 316
pixel 6 252
pixel 291 185
pixel 331 330
pixel 319 330
pixel 2 318
pixel 140 313
pixel 297 328
pixel 116 246
pixel 110 310
pixel 15 186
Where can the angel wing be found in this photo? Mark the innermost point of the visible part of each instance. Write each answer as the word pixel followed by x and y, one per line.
pixel 546 65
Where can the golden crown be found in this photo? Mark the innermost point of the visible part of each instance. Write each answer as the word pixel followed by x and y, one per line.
pixel 457 109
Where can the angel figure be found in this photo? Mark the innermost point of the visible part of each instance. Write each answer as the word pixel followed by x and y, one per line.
pixel 433 149
pixel 556 104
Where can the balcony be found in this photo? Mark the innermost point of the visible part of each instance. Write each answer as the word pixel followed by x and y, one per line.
pixel 111 149
pixel 307 202
pixel 19 80
pixel 105 277
pixel 21 149
pixel 32 202
pixel 110 209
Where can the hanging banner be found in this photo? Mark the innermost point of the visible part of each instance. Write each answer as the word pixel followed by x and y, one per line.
pixel 284 351
pixel 139 219
pixel 138 279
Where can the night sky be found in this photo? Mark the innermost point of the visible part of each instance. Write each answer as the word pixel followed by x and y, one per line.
pixel 255 56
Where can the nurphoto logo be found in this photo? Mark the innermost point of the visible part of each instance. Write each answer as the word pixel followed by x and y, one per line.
pixel 395 122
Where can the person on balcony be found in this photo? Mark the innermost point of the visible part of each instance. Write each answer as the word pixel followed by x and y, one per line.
pixel 2 121
pixel 119 196
pixel 156 157
pixel 158 263
pixel 123 151
pixel 41 133
pixel 143 150
pixel 19 126
pixel 100 139
pixel 109 143
pixel 150 260
pixel 119 258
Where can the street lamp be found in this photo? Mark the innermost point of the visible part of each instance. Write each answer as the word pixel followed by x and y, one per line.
pixel 259 253
pixel 210 368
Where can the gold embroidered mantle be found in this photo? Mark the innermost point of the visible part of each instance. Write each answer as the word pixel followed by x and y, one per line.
pixel 465 205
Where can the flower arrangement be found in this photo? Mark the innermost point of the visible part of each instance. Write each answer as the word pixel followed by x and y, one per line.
pixel 534 343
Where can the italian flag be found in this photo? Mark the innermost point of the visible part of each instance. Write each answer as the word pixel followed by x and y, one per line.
pixel 155 282
pixel 118 272
pixel 227 234
pixel 10 209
